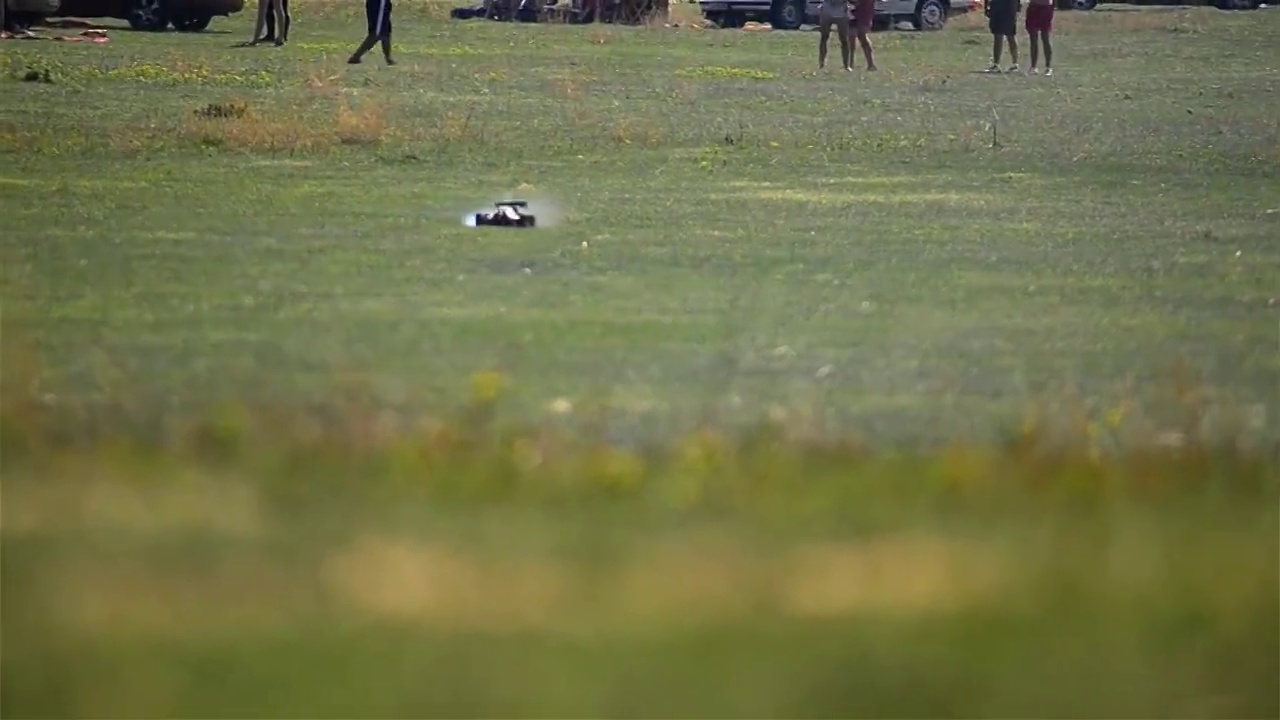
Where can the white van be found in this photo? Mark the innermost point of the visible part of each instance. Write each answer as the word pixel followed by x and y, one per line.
pixel 791 14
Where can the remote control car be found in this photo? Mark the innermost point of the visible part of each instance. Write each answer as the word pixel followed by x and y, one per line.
pixel 512 213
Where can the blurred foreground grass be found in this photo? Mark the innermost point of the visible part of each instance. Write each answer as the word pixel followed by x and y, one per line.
pixel 342 564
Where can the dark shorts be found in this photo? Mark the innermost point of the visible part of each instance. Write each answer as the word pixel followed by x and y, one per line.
pixel 378 13
pixel 1004 21
pixel 829 15
pixel 1039 18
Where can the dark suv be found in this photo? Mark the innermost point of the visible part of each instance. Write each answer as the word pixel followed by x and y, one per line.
pixel 153 15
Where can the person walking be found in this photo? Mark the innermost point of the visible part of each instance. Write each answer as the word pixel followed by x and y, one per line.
pixel 378 15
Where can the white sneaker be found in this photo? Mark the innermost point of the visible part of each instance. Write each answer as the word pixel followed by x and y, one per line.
pixel 994 69
pixel 1012 69
pixel 1048 72
pixel 1033 71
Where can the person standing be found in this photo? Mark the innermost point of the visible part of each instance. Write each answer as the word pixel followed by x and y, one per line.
pixel 378 15
pixel 834 12
pixel 271 23
pixel 864 13
pixel 1002 20
pixel 1039 27
pixel 266 7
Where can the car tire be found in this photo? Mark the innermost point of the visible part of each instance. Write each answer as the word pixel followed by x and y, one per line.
pixel 147 15
pixel 787 14
pixel 192 23
pixel 930 15
pixel 19 21
pixel 1084 4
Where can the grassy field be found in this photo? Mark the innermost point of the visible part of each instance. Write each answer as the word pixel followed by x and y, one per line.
pixel 916 393
pixel 747 223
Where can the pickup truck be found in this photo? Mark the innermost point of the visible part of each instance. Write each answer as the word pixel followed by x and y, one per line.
pixel 791 14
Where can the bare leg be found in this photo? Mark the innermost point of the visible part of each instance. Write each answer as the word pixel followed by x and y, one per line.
pixel 865 42
pixel 824 33
pixel 846 48
pixel 1013 48
pixel 1035 50
pixel 1048 50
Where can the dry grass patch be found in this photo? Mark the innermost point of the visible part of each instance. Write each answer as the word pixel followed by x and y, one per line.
pixel 236 125
pixel 601 35
pixel 456 126
pixel 701 578
pixel 636 131
pixel 361 124
pixel 324 79
pixel 435 585
pixel 258 134
pixel 686 91
pixel 570 87
pixel 908 575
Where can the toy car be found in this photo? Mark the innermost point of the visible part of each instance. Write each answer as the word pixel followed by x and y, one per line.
pixel 511 213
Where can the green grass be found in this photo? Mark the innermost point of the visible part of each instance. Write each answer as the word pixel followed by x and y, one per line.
pixel 291 441
pixel 748 223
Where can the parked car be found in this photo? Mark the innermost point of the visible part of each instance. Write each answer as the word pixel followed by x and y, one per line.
pixel 1220 4
pixel 152 15
pixel 791 14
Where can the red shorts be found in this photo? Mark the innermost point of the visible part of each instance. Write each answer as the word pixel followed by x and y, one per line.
pixel 1039 18
pixel 863 14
